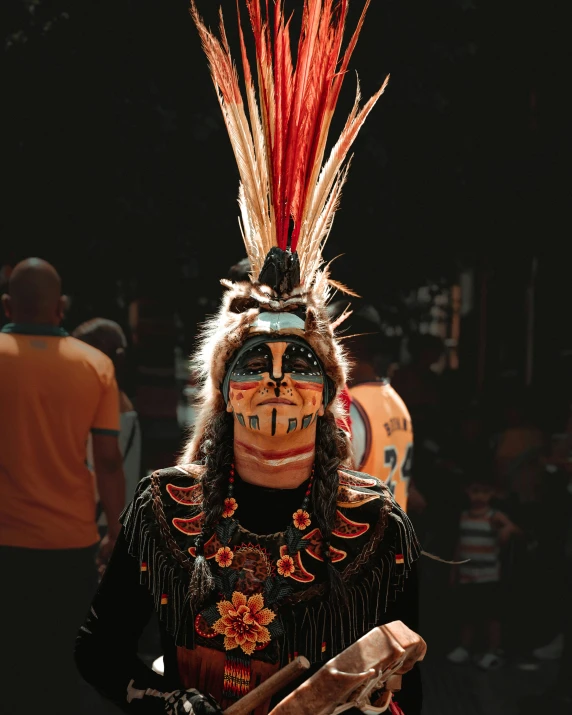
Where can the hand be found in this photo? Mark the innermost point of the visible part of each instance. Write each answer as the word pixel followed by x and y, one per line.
pixel 106 546
pixel 177 702
pixel 190 701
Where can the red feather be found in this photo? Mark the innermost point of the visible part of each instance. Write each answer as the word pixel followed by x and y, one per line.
pixel 302 96
pixel 297 102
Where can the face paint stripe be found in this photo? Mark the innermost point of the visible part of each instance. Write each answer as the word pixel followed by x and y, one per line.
pixel 274 454
pixel 285 470
pixel 306 421
pixel 240 418
pixel 254 422
pixel 299 461
pixel 246 383
pixel 294 458
pixel 317 387
pixel 292 424
pixel 274 413
pixel 316 379
pixel 292 461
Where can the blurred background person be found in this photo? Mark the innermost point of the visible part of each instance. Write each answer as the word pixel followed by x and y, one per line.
pixel 240 271
pixel 553 537
pixel 54 391
pixel 381 427
pixel 153 325
pixel 557 698
pixel 419 382
pixel 108 336
pixel 519 445
pixel 483 531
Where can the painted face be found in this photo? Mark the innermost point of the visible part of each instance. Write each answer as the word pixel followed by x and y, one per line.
pixel 276 387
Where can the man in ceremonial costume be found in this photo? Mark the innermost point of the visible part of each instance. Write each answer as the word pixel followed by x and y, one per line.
pixel 261 545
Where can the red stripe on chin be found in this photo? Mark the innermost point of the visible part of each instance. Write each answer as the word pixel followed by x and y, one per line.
pixel 272 454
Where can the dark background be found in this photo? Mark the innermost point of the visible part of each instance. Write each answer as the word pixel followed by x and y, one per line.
pixel 117 168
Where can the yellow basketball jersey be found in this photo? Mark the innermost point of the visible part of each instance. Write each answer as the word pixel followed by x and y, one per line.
pixel 383 436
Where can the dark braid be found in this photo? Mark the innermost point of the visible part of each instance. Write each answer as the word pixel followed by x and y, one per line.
pixel 217 454
pixel 331 451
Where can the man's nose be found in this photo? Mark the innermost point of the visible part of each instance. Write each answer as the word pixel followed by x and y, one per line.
pixel 277 375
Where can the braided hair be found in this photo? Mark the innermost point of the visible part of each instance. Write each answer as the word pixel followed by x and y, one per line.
pixel 217 454
pixel 331 452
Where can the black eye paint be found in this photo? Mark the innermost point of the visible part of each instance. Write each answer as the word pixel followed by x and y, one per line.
pixel 254 362
pixel 255 359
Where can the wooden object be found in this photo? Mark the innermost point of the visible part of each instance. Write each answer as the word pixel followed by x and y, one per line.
pixel 356 673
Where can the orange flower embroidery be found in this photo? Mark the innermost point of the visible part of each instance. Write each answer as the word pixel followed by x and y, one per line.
pixel 243 622
pixel 301 519
pixel 286 565
pixel 230 506
pixel 224 556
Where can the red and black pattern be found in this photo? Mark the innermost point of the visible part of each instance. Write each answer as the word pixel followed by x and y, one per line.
pixel 237 675
pixel 189 496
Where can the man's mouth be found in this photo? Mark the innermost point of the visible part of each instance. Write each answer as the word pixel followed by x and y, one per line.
pixel 276 401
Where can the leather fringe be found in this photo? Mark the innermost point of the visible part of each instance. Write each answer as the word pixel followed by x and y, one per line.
pixel 164 576
pixel 325 629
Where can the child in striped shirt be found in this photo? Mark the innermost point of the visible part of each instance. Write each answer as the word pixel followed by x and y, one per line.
pixel 483 530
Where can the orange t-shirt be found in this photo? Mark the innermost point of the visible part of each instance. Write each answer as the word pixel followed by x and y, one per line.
pixel 54 390
pixel 382 436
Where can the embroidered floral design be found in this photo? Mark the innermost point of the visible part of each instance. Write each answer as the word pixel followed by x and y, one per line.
pixel 224 556
pixel 301 519
pixel 243 622
pixel 286 565
pixel 230 506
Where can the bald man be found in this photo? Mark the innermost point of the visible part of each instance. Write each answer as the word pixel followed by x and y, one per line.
pixel 54 391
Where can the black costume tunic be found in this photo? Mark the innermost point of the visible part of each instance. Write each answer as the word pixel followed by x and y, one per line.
pixel 372 545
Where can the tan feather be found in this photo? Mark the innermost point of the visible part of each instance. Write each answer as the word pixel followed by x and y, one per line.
pixel 343 288
pixel 319 197
pixel 341 319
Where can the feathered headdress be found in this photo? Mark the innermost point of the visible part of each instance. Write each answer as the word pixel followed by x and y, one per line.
pixel 288 194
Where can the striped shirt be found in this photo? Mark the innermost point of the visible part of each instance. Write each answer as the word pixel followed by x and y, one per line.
pixel 478 541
